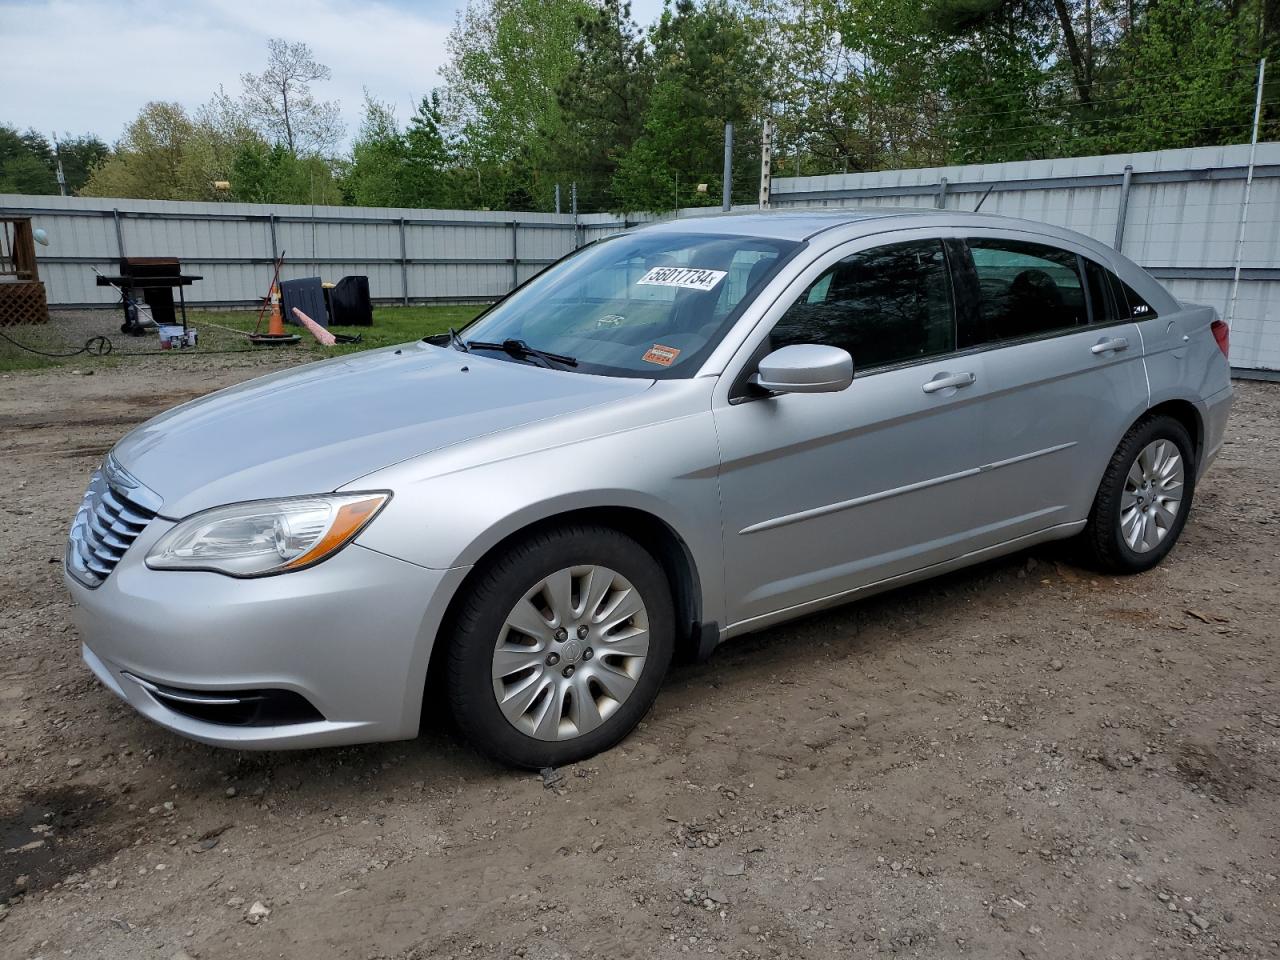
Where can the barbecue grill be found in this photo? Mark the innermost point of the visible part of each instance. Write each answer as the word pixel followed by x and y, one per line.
pixel 156 278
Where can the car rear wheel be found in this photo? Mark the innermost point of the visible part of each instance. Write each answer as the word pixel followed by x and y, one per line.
pixel 1143 500
pixel 560 647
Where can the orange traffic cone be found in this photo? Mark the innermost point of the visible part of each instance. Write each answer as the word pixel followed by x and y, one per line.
pixel 275 325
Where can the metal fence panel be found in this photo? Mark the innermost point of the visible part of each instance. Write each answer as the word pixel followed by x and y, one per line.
pixel 1176 212
pixel 1182 212
pixel 408 255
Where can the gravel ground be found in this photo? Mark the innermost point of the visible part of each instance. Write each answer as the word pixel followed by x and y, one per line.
pixel 1020 760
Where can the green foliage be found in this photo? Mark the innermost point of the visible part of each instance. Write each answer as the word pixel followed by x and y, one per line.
pixel 29 163
pixel 545 92
pixel 378 159
pixel 604 100
pixel 391 325
pixel 80 157
pixel 958 81
pixel 163 155
pixel 1189 71
pixel 266 142
pixel 271 174
pixel 711 68
pixel 508 60
pixel 391 167
pixel 26 162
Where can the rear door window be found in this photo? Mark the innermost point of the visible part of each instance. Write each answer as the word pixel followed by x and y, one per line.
pixel 1025 290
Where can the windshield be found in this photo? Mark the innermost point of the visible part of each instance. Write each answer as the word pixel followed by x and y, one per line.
pixel 646 304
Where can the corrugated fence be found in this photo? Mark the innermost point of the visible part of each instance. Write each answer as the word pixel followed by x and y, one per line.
pixel 1176 212
pixel 410 256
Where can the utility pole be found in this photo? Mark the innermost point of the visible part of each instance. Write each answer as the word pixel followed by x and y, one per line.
pixel 766 163
pixel 727 197
pixel 557 199
pixel 62 179
pixel 573 203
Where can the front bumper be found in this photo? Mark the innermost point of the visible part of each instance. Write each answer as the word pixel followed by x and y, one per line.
pixel 352 635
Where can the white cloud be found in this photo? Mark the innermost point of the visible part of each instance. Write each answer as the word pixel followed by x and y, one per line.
pixel 80 66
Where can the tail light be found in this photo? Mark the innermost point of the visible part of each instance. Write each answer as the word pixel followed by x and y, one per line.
pixel 1222 333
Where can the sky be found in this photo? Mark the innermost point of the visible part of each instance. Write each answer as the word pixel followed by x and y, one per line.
pixel 80 66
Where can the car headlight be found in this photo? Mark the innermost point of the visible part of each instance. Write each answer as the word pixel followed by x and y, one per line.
pixel 263 537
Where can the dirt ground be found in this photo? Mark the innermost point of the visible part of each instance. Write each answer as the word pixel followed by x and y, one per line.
pixel 1020 760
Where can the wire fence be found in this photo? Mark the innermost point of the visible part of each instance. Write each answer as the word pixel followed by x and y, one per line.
pixel 1216 109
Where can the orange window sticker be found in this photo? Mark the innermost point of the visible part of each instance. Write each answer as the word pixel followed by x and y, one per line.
pixel 663 356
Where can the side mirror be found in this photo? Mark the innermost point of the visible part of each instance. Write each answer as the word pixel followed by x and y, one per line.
pixel 805 368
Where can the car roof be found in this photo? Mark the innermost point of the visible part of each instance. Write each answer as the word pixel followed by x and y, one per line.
pixel 798 225
pixel 774 225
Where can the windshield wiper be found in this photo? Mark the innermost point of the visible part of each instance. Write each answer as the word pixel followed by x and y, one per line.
pixel 522 351
pixel 457 341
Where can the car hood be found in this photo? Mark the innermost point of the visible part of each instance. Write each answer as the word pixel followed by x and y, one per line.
pixel 313 429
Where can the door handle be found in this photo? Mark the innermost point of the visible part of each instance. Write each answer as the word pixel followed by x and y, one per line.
pixel 1103 346
pixel 944 380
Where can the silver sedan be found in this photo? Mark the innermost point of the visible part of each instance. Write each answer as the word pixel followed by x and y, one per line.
pixel 671 437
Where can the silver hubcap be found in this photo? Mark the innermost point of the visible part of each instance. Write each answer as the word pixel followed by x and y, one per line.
pixel 1152 496
pixel 570 652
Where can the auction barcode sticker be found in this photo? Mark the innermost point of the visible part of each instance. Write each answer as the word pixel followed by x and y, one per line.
pixel 690 278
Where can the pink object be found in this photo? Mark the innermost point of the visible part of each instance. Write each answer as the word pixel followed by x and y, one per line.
pixel 325 338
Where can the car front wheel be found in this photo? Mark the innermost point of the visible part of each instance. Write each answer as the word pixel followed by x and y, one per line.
pixel 560 646
pixel 1144 498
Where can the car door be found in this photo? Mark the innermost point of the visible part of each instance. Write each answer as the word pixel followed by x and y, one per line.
pixel 1066 379
pixel 824 493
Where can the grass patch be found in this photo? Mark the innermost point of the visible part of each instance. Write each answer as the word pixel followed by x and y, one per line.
pixel 391 325
pixel 68 330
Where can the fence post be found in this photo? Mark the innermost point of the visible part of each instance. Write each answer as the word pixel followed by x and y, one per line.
pixel 271 222
pixel 515 254
pixel 115 213
pixel 404 266
pixel 1123 213
pixel 573 200
pixel 940 201
pixel 727 194
pixel 1248 189
pixel 766 164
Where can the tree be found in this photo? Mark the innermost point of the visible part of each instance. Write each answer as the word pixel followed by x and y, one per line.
pixel 508 60
pixel 269 173
pixel 156 158
pixel 166 155
pixel 391 167
pixel 1189 71
pixel 712 67
pixel 280 104
pixel 26 162
pixel 603 100
pixel 379 159
pixel 80 156
pixel 430 179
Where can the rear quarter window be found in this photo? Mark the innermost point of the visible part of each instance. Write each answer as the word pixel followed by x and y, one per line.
pixel 1130 304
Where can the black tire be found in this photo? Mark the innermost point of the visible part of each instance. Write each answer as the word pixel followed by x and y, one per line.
pixel 1102 539
pixel 494 592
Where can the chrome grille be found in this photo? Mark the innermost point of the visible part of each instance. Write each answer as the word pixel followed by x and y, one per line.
pixel 109 519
